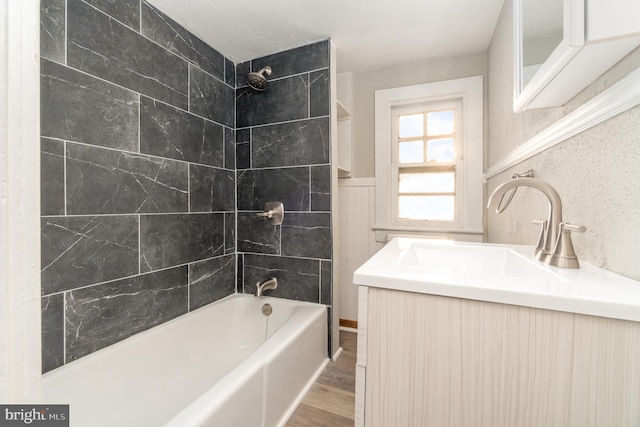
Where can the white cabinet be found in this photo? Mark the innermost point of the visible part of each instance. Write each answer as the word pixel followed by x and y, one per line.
pixel 429 360
pixel 562 46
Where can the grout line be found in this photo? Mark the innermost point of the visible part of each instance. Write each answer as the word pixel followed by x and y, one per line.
pixel 310 191
pixel 289 76
pixel 139 243
pixel 142 213
pixel 188 289
pixel 309 95
pixel 250 148
pixel 139 123
pixel 284 122
pixel 320 282
pixel 137 275
pixel 64 327
pixel 152 156
pixel 188 188
pixel 189 88
pixel 64 177
pixel 66 30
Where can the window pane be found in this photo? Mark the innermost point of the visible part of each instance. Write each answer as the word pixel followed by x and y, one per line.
pixel 411 152
pixel 419 181
pixel 440 208
pixel 440 123
pixel 440 150
pixel 411 126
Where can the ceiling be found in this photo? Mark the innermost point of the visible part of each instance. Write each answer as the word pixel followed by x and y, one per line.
pixel 368 34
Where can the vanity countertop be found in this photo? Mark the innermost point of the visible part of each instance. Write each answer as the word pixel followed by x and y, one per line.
pixel 505 274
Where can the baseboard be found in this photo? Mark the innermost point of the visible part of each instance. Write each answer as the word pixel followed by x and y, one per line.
pixel 353 324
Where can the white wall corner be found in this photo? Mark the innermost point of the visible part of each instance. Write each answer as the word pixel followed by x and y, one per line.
pixel 20 336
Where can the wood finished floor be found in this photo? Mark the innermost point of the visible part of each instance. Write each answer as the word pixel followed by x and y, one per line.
pixel 331 400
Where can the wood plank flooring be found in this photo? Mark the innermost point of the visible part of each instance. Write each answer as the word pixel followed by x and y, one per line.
pixel 331 400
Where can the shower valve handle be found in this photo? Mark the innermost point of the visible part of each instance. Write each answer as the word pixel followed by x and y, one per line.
pixel 273 213
pixel 267 214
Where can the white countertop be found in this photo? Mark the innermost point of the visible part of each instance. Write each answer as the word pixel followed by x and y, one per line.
pixel 458 271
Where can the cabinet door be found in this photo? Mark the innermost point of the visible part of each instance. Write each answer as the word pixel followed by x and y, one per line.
pixel 439 361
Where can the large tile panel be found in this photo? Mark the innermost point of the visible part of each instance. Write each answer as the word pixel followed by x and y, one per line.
pixel 169 240
pixel 109 181
pixel 255 235
pixel 52 30
pixel 211 98
pixel 104 314
pixel 321 188
pixel 167 131
pixel 172 36
pixel 125 11
pixel 304 142
pixel 319 93
pixel 52 310
pixel 80 251
pixel 51 177
pixel 108 49
pixel 295 61
pixel 284 100
pixel 211 280
pixel 298 279
pixel 77 107
pixel 212 189
pixel 307 235
pixel 287 185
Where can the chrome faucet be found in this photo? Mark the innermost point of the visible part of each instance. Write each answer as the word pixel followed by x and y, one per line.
pixel 554 245
pixel 271 283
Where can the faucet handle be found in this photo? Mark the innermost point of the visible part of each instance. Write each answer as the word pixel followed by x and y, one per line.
pixel 572 228
pixel 539 253
pixel 563 253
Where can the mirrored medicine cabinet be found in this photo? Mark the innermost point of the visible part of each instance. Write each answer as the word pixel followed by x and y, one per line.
pixel 561 46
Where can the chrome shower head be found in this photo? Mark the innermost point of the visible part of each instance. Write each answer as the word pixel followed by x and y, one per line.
pixel 258 79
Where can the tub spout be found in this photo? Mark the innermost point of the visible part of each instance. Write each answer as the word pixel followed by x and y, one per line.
pixel 271 283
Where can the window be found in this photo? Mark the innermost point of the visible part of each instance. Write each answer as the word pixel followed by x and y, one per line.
pixel 429 157
pixel 426 159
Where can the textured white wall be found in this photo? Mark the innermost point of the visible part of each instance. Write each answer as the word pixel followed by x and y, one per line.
pixel 364 87
pixel 596 173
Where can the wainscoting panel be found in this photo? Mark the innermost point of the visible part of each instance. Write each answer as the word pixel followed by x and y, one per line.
pixel 357 239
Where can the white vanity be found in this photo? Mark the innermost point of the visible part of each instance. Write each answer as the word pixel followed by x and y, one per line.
pixel 465 334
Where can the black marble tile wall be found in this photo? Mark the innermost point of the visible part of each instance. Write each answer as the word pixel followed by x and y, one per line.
pixel 283 154
pixel 138 187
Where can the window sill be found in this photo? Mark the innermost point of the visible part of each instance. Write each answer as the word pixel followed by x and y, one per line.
pixel 385 233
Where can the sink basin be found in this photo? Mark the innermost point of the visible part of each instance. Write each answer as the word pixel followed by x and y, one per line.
pixel 498 273
pixel 440 258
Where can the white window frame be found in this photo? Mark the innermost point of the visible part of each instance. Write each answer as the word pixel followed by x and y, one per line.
pixel 396 112
pixel 469 190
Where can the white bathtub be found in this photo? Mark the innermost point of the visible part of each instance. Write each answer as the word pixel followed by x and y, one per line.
pixel 211 367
